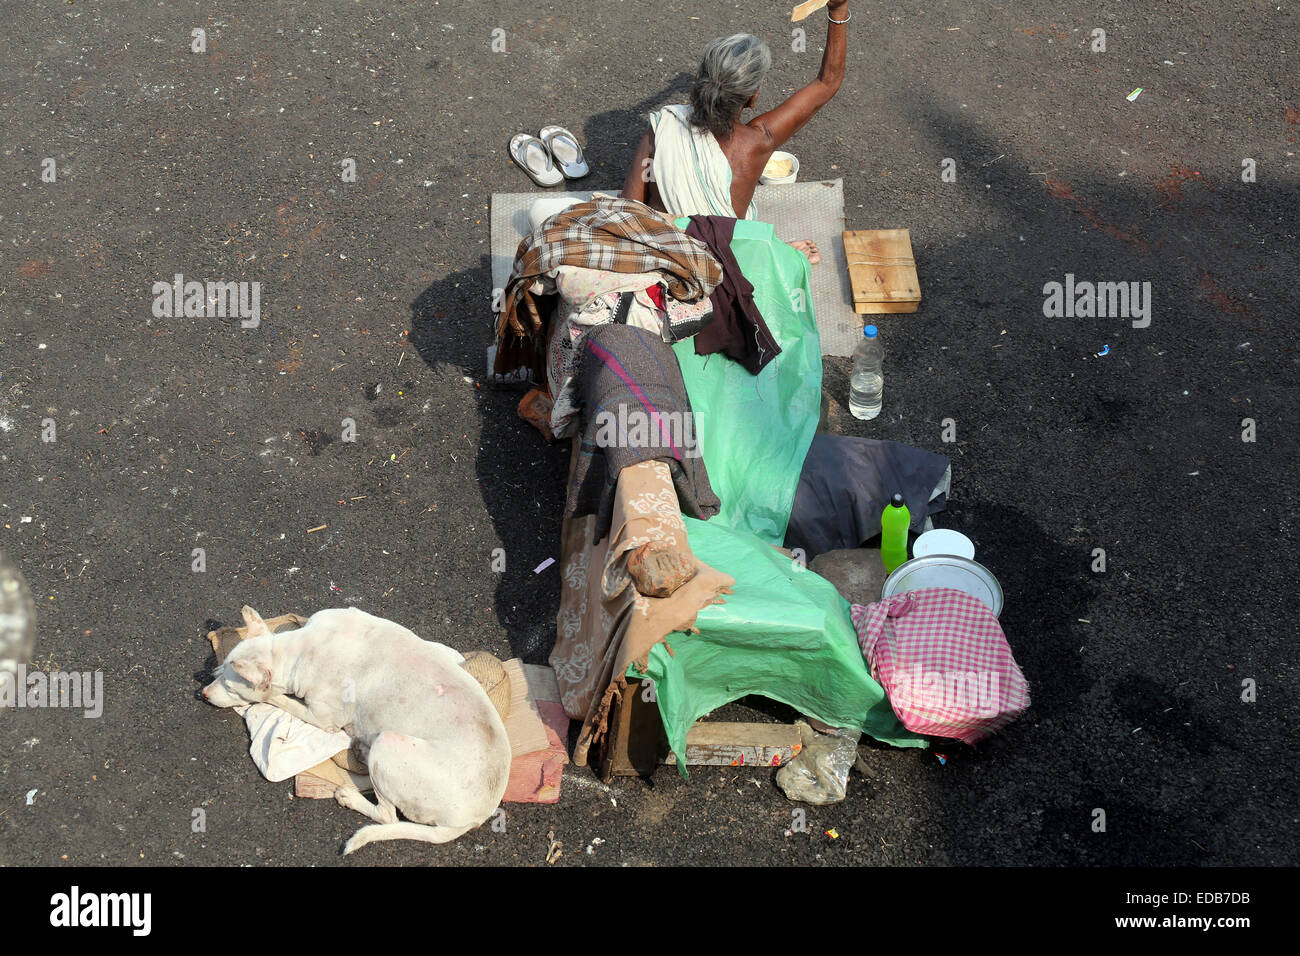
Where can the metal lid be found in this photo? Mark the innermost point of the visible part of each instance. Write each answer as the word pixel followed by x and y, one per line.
pixel 946 571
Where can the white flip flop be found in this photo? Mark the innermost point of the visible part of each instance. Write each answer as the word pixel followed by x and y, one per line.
pixel 533 157
pixel 566 151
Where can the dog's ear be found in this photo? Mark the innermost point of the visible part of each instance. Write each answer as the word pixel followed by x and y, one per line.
pixel 253 620
pixel 253 671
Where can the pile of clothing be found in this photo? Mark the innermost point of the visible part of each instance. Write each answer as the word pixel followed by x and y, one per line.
pixel 617 261
pixel 624 312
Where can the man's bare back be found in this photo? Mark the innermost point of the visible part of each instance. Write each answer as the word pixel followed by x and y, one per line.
pixel 747 149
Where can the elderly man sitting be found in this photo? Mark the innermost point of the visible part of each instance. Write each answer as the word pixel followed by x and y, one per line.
pixel 701 159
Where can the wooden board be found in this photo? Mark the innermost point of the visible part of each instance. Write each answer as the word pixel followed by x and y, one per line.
pixel 524 725
pixel 723 744
pixel 636 743
pixel 806 8
pixel 882 270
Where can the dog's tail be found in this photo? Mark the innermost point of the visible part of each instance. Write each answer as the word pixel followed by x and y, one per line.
pixel 404 831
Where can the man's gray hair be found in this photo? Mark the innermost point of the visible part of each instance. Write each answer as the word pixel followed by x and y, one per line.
pixel 730 73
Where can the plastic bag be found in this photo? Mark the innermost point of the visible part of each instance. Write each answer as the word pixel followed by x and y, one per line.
pixel 755 430
pixel 785 632
pixel 820 773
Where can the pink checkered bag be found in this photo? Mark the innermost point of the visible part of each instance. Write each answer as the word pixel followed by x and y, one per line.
pixel 943 660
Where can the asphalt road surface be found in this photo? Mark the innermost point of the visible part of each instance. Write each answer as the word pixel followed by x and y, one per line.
pixel 1164 687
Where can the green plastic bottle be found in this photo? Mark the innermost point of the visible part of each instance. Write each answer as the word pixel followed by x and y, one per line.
pixel 893 533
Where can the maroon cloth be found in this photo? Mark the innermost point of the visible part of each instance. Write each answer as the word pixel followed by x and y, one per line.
pixel 738 329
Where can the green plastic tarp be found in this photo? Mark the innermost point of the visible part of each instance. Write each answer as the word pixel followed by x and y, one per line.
pixel 785 632
pixel 755 430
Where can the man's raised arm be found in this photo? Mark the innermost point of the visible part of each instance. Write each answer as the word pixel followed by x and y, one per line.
pixel 787 119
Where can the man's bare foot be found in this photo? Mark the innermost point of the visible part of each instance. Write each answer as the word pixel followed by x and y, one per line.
pixel 658 569
pixel 809 249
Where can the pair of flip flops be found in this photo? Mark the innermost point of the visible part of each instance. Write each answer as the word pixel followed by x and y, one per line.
pixel 549 158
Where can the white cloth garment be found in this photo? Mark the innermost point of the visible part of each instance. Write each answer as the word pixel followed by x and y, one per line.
pixel 547 206
pixel 690 170
pixel 284 746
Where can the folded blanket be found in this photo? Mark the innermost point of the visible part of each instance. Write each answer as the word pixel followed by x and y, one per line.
pixel 635 409
pixel 616 235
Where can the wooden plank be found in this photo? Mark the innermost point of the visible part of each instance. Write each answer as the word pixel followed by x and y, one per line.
pixel 806 9
pixel 884 308
pixel 726 744
pixel 881 265
pixel 635 743
pixel 524 724
pixel 882 270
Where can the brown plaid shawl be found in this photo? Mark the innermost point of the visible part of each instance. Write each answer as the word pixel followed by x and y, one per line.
pixel 615 235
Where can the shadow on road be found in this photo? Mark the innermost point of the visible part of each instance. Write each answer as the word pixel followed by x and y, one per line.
pixel 616 132
pixel 520 477
pixel 1161 408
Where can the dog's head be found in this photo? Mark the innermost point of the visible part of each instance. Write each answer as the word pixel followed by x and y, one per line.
pixel 245 675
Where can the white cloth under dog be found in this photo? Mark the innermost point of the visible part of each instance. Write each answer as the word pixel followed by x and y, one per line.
pixel 690 170
pixel 284 746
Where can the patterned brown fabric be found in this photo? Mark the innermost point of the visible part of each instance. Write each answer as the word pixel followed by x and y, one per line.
pixel 604 624
pixel 614 235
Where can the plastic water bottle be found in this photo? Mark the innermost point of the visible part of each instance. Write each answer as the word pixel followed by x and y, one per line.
pixel 893 533
pixel 867 386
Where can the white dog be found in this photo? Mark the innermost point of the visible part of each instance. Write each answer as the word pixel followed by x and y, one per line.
pixel 434 744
